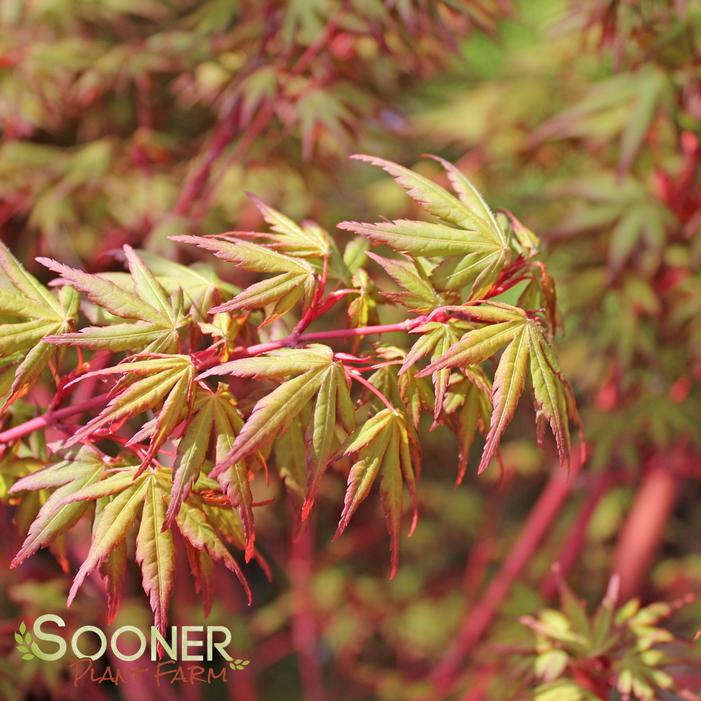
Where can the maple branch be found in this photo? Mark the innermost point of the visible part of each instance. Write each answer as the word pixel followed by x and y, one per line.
pixel 482 614
pixel 644 527
pixel 293 339
pixel 50 417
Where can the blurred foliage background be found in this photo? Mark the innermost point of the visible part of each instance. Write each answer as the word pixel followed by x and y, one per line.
pixel 127 121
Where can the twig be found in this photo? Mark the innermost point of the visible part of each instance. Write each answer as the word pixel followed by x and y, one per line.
pixel 50 417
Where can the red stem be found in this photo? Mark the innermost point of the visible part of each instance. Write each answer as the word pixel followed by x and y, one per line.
pixel 357 376
pixel 12 434
pixel 259 348
pixel 481 616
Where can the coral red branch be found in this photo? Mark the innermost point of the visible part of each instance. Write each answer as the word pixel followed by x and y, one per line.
pixel 482 614
pixel 50 417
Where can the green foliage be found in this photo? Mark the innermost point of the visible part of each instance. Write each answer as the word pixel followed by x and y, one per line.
pixel 313 384
pixel 579 656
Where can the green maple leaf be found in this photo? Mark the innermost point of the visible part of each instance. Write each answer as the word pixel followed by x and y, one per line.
pixel 291 254
pixel 467 242
pixel 382 447
pixel 526 349
pixel 162 382
pixel 30 314
pixel 153 320
pixel 314 373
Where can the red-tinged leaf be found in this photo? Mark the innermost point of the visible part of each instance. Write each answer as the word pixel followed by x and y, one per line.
pixel 249 256
pixel 16 304
pixel 419 238
pixel 147 287
pixel 322 440
pixel 155 319
pixel 552 395
pixel 361 478
pixel 478 270
pixel 469 196
pixel 271 415
pixel 287 289
pixel 178 401
pixel 391 494
pixel 409 454
pixel 169 389
pixel 509 381
pixel 276 364
pixel 59 512
pixel 291 461
pixel 59 473
pixel 106 294
pixel 25 283
pixel 474 414
pixel 198 531
pixel 234 481
pixel 417 292
pixel 476 346
pixel 111 482
pixel 435 199
pixel 117 337
pixel 112 568
pixel 303 241
pixel 190 457
pixel 155 553
pixel 383 447
pixel 117 519
pixel 202 569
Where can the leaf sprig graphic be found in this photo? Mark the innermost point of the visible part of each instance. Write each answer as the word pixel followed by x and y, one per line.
pixel 23 642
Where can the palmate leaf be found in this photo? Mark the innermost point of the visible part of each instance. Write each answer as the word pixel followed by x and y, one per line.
pixel 316 373
pixel 161 382
pixel 303 241
pixel 200 285
pixel 28 314
pixel 417 293
pixel 293 278
pixel 473 248
pixel 526 350
pixel 382 447
pixel 154 319
pixel 214 413
pixel 57 515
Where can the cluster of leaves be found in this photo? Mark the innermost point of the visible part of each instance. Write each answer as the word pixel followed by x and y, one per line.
pixel 582 657
pixel 183 452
